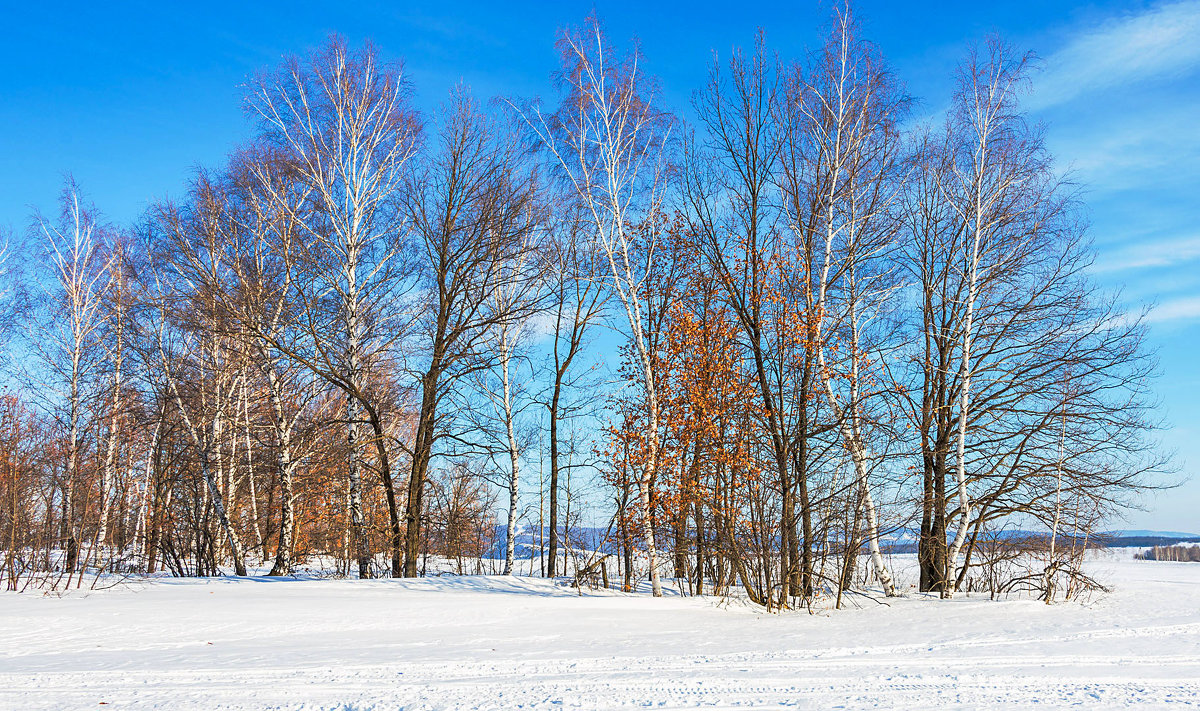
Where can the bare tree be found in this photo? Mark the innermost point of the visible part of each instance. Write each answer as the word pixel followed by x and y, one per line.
pixel 196 359
pixel 731 193
pixel 117 313
pixel 65 338
pixel 846 111
pixel 607 138
pixel 473 211
pixel 986 176
pixel 577 300
pixel 343 118
pixel 265 259
pixel 516 292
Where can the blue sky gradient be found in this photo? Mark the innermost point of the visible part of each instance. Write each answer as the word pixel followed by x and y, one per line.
pixel 131 99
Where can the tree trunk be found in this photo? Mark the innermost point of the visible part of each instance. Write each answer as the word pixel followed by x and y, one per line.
pixel 551 565
pixel 422 450
pixel 201 443
pixel 510 544
pixel 283 469
pixel 389 490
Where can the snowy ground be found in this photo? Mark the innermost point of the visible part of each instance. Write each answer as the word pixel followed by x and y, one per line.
pixel 493 643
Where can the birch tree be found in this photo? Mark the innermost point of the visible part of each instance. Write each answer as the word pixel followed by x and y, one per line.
pixel 517 291
pixel 65 339
pixel 846 111
pixel 265 259
pixel 196 360
pixel 511 296
pixel 344 118
pixel 117 307
pixel 608 141
pixel 986 175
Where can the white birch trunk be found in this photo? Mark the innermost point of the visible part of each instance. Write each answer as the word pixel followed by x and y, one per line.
pixel 250 466
pixel 514 479
pixel 214 489
pixel 354 415
pixel 140 528
pixel 607 151
pixel 964 409
pixel 964 399
pixel 284 466
pixel 108 472
pixel 72 255
pixel 847 426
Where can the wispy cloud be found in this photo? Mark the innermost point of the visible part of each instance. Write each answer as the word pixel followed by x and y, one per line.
pixel 1167 253
pixel 1161 41
pixel 1155 144
pixel 1182 309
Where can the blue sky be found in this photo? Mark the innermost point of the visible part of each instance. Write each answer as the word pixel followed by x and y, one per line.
pixel 131 98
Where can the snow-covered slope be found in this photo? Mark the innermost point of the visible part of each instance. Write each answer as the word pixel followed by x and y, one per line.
pixel 493 643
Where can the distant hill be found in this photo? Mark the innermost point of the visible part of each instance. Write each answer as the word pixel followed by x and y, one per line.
pixel 902 540
pixel 1142 533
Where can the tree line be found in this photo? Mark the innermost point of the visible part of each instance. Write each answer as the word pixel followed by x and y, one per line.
pixel 358 342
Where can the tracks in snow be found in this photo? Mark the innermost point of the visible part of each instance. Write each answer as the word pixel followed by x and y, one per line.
pixel 897 676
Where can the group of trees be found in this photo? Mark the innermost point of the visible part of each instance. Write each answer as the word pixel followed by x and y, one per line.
pixel 356 341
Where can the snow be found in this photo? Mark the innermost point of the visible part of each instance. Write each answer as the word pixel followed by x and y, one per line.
pixel 497 643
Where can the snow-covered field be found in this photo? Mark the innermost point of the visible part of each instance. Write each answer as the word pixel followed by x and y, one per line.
pixel 494 643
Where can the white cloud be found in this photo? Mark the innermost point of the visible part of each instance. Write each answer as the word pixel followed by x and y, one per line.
pixel 1184 309
pixel 1118 148
pixel 1162 41
pixel 1147 255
